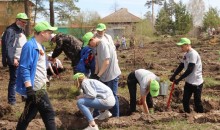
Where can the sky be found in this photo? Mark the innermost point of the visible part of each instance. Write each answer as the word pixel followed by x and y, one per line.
pixel 136 7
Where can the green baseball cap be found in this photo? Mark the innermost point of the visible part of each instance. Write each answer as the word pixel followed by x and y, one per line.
pixel 78 75
pixel 154 88
pixel 100 27
pixel 86 38
pixel 183 41
pixel 22 16
pixel 43 26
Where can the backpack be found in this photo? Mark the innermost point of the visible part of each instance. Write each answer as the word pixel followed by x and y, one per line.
pixel 86 63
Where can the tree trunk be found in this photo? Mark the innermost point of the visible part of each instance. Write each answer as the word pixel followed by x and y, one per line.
pixel 51 13
pixel 26 8
pixel 152 11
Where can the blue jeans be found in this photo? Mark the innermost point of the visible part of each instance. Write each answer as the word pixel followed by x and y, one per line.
pixel 11 84
pixel 85 103
pixel 113 84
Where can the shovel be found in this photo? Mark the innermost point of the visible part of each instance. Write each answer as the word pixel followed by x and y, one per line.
pixel 171 92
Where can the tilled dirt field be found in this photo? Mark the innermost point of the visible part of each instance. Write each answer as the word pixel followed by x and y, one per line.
pixel 162 57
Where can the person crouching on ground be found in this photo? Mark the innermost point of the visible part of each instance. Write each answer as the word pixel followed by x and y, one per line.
pixel 54 67
pixel 192 63
pixel 95 95
pixel 149 87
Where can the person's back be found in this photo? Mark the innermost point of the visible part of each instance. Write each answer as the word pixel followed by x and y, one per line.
pixel 86 63
pixel 70 45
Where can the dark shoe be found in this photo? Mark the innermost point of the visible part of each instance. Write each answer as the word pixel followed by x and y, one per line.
pixel 23 99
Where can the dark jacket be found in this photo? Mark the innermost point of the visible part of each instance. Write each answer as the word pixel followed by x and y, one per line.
pixel 10 40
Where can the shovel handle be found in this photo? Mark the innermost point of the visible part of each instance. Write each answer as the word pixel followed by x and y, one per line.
pixel 171 92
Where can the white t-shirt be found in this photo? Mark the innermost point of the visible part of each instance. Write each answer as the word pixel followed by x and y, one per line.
pixel 195 77
pixel 22 40
pixel 57 63
pixel 144 77
pixel 106 51
pixel 41 72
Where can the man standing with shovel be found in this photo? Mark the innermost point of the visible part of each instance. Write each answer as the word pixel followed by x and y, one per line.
pixel 191 62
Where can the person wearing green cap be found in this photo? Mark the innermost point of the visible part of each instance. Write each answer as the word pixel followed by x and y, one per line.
pixel 192 64
pixel 107 68
pixel 81 56
pixel 149 87
pixel 96 95
pixel 32 77
pixel 11 41
pixel 86 63
pixel 102 35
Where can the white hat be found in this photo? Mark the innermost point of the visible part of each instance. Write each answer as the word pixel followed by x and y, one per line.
pixel 50 54
pixel 53 35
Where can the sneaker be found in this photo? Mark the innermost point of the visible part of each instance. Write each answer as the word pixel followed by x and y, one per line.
pixel 92 127
pixel 104 115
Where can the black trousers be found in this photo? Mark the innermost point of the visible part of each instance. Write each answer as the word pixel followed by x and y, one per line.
pixel 55 70
pixel 190 89
pixel 132 87
pixel 42 105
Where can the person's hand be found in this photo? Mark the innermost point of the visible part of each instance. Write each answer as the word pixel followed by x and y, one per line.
pixel 139 102
pixel 16 63
pixel 30 94
pixel 172 78
pixel 96 77
pixel 176 81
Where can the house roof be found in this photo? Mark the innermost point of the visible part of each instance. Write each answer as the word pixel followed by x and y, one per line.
pixel 121 16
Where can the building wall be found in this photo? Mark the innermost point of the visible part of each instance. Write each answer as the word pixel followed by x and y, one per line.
pixel 119 29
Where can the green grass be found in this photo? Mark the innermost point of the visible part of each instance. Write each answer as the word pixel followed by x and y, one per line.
pixel 211 82
pixel 182 125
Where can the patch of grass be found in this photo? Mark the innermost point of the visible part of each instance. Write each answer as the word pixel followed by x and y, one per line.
pixel 178 125
pixel 211 82
pixel 211 97
pixel 74 91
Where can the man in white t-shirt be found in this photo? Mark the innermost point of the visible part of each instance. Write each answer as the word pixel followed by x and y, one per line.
pixel 149 87
pixel 192 64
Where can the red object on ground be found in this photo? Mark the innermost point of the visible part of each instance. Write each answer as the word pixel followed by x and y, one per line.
pixel 171 92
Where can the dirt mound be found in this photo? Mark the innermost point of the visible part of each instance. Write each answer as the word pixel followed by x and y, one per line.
pixel 5 109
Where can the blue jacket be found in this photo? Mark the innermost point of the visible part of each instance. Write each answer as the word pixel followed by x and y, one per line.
pixel 86 63
pixel 27 65
pixel 10 40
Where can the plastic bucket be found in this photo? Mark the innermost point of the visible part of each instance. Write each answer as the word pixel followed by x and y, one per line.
pixel 164 88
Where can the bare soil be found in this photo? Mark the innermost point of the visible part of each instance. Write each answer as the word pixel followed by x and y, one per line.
pixel 162 57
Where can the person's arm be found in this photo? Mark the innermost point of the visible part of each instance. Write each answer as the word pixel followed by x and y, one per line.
pixel 59 64
pixel 9 41
pixel 188 71
pixel 105 65
pixel 144 104
pixel 96 65
pixel 177 71
pixel 51 69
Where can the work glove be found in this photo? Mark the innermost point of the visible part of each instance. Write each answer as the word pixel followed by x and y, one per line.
pixel 172 78
pixel 176 81
pixel 95 76
pixel 30 94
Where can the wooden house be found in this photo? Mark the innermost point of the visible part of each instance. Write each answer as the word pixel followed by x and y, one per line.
pixel 120 23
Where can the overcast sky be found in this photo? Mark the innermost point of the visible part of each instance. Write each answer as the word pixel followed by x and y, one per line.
pixel 136 7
